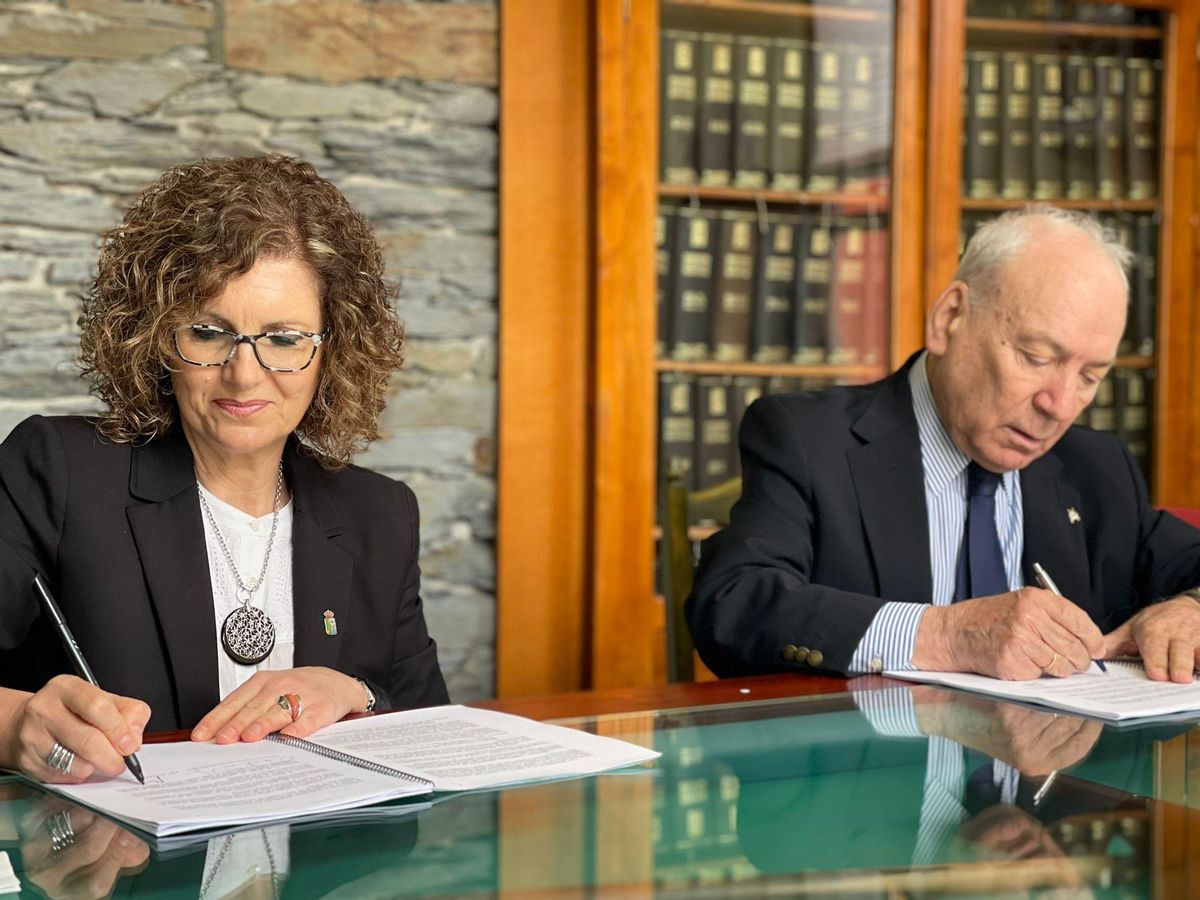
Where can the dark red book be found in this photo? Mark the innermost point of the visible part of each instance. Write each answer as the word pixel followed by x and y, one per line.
pixel 847 329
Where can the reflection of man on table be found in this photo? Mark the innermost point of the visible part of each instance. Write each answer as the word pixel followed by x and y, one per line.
pixel 946 482
pixel 920 777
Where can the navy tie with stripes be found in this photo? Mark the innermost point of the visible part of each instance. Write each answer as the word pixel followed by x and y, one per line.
pixel 980 561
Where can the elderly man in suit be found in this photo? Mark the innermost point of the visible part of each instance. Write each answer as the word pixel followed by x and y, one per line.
pixel 868 511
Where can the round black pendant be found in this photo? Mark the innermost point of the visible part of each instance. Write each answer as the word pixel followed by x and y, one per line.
pixel 248 635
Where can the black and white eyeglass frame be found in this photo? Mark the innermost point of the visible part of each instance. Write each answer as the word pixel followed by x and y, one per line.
pixel 252 340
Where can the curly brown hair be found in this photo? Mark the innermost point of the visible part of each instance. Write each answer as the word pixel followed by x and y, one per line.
pixel 200 225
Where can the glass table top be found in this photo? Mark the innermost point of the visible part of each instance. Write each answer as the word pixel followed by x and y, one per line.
pixel 901 791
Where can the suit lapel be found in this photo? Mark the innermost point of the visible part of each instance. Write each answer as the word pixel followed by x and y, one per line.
pixel 169 535
pixel 890 483
pixel 322 573
pixel 1053 536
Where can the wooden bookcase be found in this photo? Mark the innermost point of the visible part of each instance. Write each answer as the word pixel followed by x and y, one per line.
pixel 578 373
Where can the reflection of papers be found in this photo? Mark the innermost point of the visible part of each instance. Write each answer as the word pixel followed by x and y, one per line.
pixel 173 845
pixel 1123 693
pixel 9 883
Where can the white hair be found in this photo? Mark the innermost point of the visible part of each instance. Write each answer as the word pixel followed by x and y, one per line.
pixel 997 241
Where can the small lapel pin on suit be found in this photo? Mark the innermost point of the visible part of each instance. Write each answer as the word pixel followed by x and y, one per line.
pixel 330 623
pixel 1073 515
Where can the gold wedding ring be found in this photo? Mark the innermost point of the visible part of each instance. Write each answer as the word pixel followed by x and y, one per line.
pixel 1053 660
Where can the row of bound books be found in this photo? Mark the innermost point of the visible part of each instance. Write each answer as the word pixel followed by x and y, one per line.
pixel 1052 125
pixel 780 113
pixel 1123 405
pixel 699 417
pixel 1139 233
pixel 1063 10
pixel 801 288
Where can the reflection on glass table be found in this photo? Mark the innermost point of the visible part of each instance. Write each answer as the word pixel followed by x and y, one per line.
pixel 887 791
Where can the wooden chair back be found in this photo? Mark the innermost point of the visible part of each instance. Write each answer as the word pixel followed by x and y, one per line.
pixel 679 508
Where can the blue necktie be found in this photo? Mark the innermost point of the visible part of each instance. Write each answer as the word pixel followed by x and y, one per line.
pixel 980 562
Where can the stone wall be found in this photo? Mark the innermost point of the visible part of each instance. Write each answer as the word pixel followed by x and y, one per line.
pixel 394 101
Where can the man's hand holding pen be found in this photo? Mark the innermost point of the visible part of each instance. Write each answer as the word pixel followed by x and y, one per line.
pixel 1019 635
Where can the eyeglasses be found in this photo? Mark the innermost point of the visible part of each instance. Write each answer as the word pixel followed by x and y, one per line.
pixel 278 351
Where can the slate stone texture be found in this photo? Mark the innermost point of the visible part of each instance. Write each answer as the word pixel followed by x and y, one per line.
pixel 395 101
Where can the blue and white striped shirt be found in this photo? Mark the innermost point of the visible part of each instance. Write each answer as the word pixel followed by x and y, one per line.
pixel 889 641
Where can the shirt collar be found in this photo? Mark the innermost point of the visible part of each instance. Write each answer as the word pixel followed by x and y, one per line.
pixel 943 461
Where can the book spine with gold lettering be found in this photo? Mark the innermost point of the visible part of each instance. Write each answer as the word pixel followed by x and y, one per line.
pixel 1142 126
pixel 1079 115
pixel 789 93
pixel 1132 402
pixel 714 431
pixel 664 241
pixel 824 127
pixel 744 390
pixel 714 148
pixel 1102 414
pixel 678 111
pixel 814 275
pixel 877 277
pixel 1048 134
pixel 982 159
pixel 774 293
pixel 677 426
pixel 858 113
pixel 737 245
pixel 1145 284
pixel 1015 125
pixel 847 326
pixel 692 283
pixel 752 112
pixel 1121 228
pixel 1110 128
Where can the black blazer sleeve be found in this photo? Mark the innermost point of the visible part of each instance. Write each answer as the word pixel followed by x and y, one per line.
pixel 761 584
pixel 33 492
pixel 415 679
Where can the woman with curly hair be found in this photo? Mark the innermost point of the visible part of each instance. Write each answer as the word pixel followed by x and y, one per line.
pixel 222 565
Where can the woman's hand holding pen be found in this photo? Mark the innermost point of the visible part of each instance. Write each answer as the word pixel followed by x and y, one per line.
pixel 97 727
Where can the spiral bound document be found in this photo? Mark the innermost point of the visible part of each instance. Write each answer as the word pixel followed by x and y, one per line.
pixel 197 787
pixel 348 759
pixel 1124 693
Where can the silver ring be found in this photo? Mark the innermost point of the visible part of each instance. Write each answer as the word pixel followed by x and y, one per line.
pixel 62 835
pixel 60 758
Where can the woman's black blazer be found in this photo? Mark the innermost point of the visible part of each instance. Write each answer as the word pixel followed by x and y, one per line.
pixel 116 530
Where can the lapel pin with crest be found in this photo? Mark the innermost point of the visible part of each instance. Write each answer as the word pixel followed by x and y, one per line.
pixel 1073 515
pixel 330 623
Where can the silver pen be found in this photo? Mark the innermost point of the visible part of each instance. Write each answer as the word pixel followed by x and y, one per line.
pixel 1047 583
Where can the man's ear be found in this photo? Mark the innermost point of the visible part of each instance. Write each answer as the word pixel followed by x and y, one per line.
pixel 945 317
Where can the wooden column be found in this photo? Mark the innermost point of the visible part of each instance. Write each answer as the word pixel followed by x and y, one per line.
pixel 546 161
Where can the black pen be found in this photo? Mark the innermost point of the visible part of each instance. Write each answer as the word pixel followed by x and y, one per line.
pixel 1047 583
pixel 82 669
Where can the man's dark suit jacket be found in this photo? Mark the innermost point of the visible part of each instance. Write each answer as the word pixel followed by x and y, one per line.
pixel 832 522
pixel 117 531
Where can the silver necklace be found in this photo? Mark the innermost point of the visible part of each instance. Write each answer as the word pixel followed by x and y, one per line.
pixel 248 634
pixel 275 878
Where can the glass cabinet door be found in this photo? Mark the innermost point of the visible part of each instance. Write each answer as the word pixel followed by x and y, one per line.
pixel 773 229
